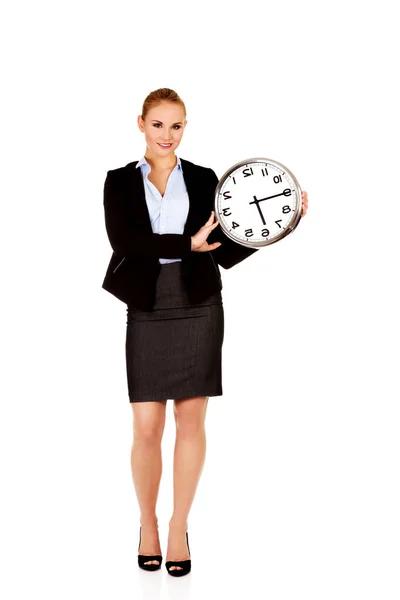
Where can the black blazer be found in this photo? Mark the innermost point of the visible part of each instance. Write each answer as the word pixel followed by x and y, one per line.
pixel 134 267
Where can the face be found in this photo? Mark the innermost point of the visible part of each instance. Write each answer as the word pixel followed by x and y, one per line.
pixel 164 124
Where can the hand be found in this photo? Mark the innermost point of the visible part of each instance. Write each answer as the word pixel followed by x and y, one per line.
pixel 199 241
pixel 304 203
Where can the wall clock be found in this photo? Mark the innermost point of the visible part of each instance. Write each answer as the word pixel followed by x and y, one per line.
pixel 258 202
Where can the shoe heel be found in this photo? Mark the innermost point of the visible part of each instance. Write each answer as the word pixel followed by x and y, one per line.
pixel 142 558
pixel 186 565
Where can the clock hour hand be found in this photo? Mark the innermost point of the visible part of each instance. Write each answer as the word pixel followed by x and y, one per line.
pixel 256 202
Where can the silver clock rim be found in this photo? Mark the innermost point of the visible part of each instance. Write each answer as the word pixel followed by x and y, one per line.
pixel 294 221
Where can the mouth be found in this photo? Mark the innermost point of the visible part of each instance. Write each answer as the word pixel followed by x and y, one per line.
pixel 165 145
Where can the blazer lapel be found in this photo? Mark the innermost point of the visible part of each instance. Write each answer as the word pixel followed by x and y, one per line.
pixel 135 198
pixel 192 186
pixel 138 209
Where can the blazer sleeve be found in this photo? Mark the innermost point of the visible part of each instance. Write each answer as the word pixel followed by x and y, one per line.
pixel 229 253
pixel 126 242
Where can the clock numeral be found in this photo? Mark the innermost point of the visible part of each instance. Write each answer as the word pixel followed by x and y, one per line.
pixel 277 222
pixel 277 178
pixel 265 233
pixel 264 172
pixel 287 192
pixel 226 195
pixel 246 172
pixel 226 214
pixel 248 233
pixel 234 180
pixel 286 209
pixel 234 225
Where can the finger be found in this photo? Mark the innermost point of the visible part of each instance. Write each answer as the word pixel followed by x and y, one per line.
pixel 209 220
pixel 211 226
pixel 214 245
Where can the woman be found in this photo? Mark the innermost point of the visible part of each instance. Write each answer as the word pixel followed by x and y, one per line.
pixel 165 267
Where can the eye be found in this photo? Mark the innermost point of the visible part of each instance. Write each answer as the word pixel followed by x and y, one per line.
pixel 159 125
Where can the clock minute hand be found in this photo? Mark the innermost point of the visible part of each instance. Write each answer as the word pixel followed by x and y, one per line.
pixel 269 197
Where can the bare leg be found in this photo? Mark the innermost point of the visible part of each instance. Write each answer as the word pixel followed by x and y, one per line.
pixel 146 463
pixel 189 457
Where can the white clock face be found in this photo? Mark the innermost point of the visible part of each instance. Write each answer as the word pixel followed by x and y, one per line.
pixel 258 202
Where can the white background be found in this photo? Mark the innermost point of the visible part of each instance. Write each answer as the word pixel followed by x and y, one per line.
pixel 299 497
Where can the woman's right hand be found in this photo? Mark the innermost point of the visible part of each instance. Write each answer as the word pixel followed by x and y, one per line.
pixel 199 241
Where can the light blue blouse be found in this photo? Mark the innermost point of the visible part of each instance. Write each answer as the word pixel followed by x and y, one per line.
pixel 168 213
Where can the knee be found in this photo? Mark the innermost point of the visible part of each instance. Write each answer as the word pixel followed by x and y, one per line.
pixel 187 428
pixel 148 432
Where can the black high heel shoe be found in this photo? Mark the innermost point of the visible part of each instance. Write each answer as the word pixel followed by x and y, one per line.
pixel 185 565
pixel 142 558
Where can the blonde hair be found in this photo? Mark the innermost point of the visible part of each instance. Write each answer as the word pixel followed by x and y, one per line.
pixel 157 96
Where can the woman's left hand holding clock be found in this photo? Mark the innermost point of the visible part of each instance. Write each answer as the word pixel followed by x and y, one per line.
pixel 304 203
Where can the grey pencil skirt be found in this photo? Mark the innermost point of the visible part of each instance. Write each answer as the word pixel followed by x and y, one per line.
pixel 174 350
